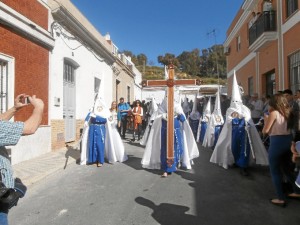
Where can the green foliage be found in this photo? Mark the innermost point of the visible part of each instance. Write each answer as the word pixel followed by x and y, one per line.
pixel 209 62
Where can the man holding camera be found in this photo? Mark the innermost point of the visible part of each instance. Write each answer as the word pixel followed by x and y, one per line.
pixel 10 132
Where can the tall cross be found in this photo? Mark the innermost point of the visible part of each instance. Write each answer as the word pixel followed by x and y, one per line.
pixel 170 83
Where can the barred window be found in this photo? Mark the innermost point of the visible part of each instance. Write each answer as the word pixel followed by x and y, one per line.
pixel 69 72
pixel 291 7
pixel 3 86
pixel 294 71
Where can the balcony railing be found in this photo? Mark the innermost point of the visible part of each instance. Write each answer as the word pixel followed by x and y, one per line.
pixel 266 22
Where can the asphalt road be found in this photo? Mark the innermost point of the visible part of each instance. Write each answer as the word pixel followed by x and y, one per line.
pixel 127 194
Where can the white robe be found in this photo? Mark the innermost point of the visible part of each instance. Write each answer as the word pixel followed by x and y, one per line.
pixel 114 147
pixel 151 157
pixel 222 154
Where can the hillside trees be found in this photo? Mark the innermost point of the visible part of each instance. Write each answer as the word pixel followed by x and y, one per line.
pixel 209 62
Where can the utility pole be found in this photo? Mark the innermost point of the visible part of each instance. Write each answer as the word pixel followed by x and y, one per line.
pixel 213 33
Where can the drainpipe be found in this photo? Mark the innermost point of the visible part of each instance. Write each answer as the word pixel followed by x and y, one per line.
pixel 258 88
pixel 280 46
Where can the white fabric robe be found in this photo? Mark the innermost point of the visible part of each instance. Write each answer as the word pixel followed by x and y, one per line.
pixel 151 157
pixel 114 148
pixel 222 154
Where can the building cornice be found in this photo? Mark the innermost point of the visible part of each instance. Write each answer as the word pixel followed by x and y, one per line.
pixel 295 19
pixel 19 23
pixel 65 18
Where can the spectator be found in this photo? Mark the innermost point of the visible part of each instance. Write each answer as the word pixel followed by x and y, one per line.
pixel 295 110
pixel 256 106
pixel 10 133
pixel 266 103
pixel 137 113
pixel 123 108
pixel 277 126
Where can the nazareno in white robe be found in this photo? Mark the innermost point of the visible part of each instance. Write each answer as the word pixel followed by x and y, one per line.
pixel 114 148
pixel 151 157
pixel 222 154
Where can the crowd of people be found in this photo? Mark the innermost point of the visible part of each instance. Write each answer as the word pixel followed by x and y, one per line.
pixel 233 127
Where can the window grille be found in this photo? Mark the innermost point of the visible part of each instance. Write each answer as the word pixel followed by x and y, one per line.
pixel 294 71
pixel 291 7
pixel 3 86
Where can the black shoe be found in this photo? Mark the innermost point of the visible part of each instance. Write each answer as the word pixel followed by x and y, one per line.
pixel 244 172
pixel 133 139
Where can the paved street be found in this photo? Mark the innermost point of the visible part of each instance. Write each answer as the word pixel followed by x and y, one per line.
pixel 127 194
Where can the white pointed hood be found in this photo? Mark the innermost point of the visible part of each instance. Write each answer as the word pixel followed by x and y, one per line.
pixel 236 98
pixel 207 111
pixel 153 109
pixel 166 73
pixel 217 114
pixel 208 107
pixel 163 106
pixel 101 109
pixel 195 115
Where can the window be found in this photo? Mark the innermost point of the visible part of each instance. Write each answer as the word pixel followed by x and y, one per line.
pixel 270 83
pixel 69 73
pixel 291 7
pixel 250 86
pixel 3 86
pixel 294 71
pixel 128 94
pixel 238 43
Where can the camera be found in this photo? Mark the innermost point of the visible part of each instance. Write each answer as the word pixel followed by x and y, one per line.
pixel 25 100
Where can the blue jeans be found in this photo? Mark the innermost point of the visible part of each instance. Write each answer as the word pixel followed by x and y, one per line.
pixel 279 161
pixel 3 218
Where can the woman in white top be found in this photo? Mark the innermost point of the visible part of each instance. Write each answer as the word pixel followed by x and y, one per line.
pixel 277 126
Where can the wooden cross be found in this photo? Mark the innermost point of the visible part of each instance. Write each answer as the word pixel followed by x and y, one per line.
pixel 170 83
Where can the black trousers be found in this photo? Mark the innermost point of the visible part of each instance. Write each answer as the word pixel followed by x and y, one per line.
pixel 123 126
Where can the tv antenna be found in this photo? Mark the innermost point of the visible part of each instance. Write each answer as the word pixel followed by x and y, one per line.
pixel 213 33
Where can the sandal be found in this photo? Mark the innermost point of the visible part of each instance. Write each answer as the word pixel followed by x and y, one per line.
pixel 278 202
pixel 294 196
pixel 164 175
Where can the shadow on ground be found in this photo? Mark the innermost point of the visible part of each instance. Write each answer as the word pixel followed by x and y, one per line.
pixel 166 214
pixel 73 152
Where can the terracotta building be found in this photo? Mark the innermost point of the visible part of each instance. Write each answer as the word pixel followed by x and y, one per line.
pixel 24 67
pixel 262 46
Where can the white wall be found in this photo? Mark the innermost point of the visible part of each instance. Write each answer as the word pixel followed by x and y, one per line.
pixel 158 95
pixel 137 83
pixel 89 68
pixel 31 146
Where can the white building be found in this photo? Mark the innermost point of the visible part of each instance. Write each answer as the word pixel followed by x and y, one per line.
pixel 83 63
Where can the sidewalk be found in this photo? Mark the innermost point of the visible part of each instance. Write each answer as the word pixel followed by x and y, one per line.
pixel 34 170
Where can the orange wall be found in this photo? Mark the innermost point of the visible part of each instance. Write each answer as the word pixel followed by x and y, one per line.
pixel 32 9
pixel 31 59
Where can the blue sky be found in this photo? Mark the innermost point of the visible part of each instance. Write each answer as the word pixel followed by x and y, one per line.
pixel 156 27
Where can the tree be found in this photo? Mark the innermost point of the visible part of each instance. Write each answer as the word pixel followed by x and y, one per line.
pixel 190 62
pixel 142 59
pixel 167 59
